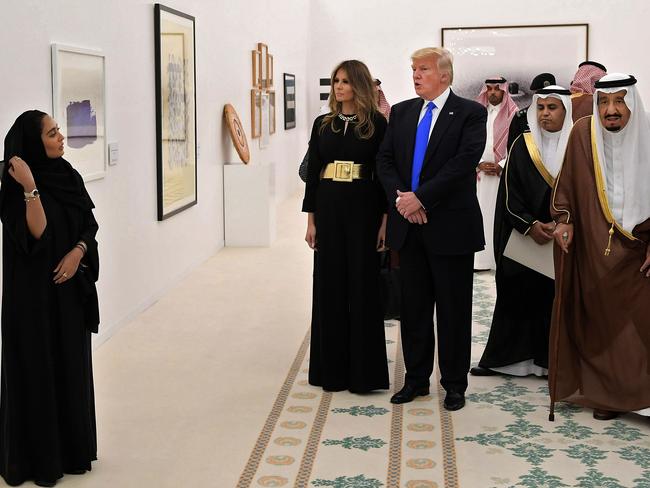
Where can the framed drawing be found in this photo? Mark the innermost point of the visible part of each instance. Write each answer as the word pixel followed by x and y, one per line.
pixel 79 106
pixel 265 135
pixel 289 101
pixel 264 67
pixel 256 113
pixel 175 110
pixel 269 64
pixel 271 111
pixel 257 68
pixel 482 52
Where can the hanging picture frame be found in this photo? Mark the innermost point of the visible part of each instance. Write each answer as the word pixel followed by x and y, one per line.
pixel 175 58
pixel 269 64
pixel 271 111
pixel 256 113
pixel 289 101
pixel 79 107
pixel 256 63
pixel 264 67
pixel 480 52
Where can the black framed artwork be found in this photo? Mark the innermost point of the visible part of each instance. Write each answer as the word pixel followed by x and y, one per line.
pixel 289 101
pixel 176 159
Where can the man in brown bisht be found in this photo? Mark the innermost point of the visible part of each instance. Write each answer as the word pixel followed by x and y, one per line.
pixel 582 87
pixel 600 331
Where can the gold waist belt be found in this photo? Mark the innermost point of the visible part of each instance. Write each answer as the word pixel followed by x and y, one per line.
pixel 345 171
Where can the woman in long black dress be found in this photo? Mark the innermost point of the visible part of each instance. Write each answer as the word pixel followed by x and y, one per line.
pixel 49 308
pixel 346 227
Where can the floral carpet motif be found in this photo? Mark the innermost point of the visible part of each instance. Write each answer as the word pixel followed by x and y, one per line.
pixel 501 439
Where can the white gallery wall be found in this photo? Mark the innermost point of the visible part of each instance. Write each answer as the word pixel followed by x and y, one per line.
pixel 140 257
pixel 384 33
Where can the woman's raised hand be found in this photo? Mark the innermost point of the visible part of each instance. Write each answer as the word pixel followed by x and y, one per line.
pixel 20 172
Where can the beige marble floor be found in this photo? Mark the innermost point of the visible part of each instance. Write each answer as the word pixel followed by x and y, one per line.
pixel 183 390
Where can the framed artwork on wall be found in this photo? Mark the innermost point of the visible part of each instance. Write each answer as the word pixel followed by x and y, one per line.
pixel 269 64
pixel 483 52
pixel 79 107
pixel 265 135
pixel 289 101
pixel 271 111
pixel 264 52
pixel 256 113
pixel 175 55
pixel 256 63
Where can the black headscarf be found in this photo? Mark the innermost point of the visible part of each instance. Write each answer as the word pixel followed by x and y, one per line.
pixel 54 176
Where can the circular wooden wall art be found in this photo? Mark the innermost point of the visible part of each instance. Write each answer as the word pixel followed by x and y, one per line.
pixel 237 133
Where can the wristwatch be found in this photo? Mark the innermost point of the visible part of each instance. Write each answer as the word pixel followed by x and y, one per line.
pixel 32 194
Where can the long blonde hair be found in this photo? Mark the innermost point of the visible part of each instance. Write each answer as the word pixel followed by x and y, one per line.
pixel 363 88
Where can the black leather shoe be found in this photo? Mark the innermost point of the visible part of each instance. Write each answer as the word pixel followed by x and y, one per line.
pixel 44 483
pixel 600 414
pixel 454 400
pixel 480 371
pixel 408 393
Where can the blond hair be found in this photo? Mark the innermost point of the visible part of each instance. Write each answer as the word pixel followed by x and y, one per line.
pixel 363 87
pixel 444 58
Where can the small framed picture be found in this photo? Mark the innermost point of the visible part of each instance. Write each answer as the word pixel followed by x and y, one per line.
pixel 271 111
pixel 256 113
pixel 79 88
pixel 256 63
pixel 289 101
pixel 264 73
pixel 269 64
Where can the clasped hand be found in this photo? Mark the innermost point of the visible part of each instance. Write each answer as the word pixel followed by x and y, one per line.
pixel 542 233
pixel 410 207
pixel 489 168
pixel 68 266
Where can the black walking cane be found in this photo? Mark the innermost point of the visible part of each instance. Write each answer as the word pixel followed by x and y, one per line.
pixel 556 324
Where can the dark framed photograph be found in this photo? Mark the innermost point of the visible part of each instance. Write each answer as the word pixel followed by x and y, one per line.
pixel 518 53
pixel 175 110
pixel 289 101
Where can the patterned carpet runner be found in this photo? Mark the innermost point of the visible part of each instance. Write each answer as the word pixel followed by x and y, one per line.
pixel 501 439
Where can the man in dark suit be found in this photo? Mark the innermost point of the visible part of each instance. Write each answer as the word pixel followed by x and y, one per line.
pixel 427 165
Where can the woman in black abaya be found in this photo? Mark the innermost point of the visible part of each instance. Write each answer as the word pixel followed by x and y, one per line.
pixel 49 308
pixel 346 226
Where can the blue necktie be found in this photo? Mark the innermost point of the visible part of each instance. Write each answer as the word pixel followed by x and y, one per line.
pixel 421 142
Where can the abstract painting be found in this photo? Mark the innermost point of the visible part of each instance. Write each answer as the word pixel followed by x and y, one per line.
pixel 175 110
pixel 79 107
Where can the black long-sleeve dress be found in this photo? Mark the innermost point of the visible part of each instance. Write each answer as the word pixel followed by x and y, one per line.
pixel 348 349
pixel 47 410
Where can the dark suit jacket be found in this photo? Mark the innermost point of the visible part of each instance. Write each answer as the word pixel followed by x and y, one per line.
pixel 448 178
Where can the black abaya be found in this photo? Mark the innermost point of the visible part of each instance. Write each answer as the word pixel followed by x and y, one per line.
pixel 522 313
pixel 348 349
pixel 47 410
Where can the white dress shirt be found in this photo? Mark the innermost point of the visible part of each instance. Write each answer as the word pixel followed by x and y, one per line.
pixel 439 103
pixel 488 152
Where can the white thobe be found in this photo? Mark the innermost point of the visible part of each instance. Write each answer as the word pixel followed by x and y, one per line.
pixel 486 190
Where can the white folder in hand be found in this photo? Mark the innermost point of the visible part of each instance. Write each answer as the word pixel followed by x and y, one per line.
pixel 527 252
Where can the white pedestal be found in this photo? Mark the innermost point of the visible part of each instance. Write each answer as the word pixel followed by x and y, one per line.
pixel 249 205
